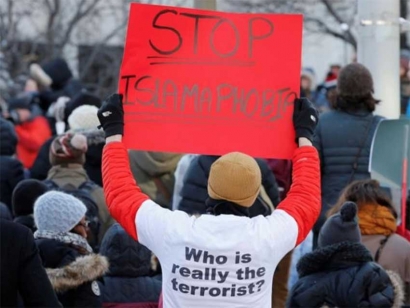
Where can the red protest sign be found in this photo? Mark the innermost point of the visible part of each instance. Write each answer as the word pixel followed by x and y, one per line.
pixel 209 82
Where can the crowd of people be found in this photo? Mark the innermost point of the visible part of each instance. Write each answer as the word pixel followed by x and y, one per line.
pixel 86 222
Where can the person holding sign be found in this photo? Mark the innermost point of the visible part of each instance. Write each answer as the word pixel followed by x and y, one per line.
pixel 225 258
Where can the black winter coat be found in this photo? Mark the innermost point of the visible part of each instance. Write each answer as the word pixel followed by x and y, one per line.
pixel 128 280
pixel 72 275
pixel 11 173
pixel 27 221
pixel 93 157
pixel 338 138
pixel 341 275
pixel 21 269
pixel 194 192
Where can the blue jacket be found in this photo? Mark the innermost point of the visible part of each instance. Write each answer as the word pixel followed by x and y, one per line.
pixel 128 280
pixel 338 138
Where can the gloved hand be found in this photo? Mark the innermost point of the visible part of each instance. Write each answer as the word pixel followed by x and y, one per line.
pixel 111 115
pixel 305 119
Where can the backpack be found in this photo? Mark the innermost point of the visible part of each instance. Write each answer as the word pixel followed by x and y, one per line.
pixel 83 193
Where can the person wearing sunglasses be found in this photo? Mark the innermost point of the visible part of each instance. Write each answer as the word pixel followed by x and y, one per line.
pixel 61 237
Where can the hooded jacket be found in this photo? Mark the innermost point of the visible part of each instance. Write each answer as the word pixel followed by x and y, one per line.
pixel 194 191
pixel 344 275
pixel 72 275
pixel 154 171
pixel 338 138
pixel 128 282
pixel 12 171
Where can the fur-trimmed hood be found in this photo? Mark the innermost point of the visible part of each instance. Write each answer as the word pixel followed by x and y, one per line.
pixel 83 269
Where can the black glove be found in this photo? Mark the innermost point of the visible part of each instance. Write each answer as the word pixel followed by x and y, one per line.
pixel 305 118
pixel 111 115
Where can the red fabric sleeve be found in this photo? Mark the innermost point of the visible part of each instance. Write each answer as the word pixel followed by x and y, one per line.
pixel 303 202
pixel 32 135
pixel 122 194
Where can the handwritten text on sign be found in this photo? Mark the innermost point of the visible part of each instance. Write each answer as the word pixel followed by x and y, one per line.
pixel 209 82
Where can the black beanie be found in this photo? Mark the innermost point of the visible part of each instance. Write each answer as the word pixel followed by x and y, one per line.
pixel 24 196
pixel 341 227
pixel 82 98
pixel 59 72
pixel 355 81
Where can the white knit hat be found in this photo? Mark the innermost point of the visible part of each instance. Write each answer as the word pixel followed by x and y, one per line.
pixel 84 117
pixel 58 212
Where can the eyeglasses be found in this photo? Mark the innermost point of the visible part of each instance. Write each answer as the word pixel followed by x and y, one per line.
pixel 84 224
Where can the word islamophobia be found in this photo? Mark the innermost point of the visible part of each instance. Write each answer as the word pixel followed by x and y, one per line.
pixel 225 99
pixel 239 277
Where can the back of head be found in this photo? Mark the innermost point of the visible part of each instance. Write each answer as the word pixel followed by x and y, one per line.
pixel 8 138
pixel 58 212
pixel 68 149
pixel 355 89
pixel 235 177
pixel 58 71
pixel 25 194
pixel 127 257
pixel 341 227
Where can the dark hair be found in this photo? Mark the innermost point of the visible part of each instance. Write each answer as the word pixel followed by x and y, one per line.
pixel 364 192
pixel 355 103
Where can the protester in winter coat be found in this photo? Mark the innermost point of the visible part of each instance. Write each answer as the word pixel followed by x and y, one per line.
pixel 21 271
pixel 67 156
pixel 341 271
pixel 378 225
pixel 24 196
pixel 224 259
pixel 194 190
pixel 54 79
pixel 80 115
pixel 71 266
pixel 128 282
pixel 154 171
pixel 12 171
pixel 344 136
pixel 31 127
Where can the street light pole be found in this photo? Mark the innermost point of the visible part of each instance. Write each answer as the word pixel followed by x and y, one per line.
pixel 205 4
pixel 379 51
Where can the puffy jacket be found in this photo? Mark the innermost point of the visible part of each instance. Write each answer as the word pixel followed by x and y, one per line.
pixel 154 171
pixel 128 281
pixel 338 138
pixel 194 192
pixel 96 142
pixel 343 275
pixel 72 275
pixel 31 135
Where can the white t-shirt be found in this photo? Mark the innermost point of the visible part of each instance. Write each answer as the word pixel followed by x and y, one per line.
pixel 216 261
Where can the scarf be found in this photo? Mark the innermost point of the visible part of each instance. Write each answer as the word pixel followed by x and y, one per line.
pixel 68 238
pixel 376 219
pixel 223 207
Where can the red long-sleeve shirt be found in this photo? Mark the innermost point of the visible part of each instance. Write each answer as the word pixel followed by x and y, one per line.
pixel 190 247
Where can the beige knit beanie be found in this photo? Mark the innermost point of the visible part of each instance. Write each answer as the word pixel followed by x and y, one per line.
pixel 235 177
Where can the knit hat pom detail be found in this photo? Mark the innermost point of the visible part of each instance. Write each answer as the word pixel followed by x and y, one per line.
pixel 348 211
pixel 79 142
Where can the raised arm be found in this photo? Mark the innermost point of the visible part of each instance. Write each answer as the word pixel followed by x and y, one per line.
pixel 303 199
pixel 124 198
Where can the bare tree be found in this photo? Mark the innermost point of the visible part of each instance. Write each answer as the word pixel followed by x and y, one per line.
pixel 320 16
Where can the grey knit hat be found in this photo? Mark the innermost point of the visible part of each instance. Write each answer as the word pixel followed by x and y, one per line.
pixel 354 81
pixel 341 227
pixel 58 212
